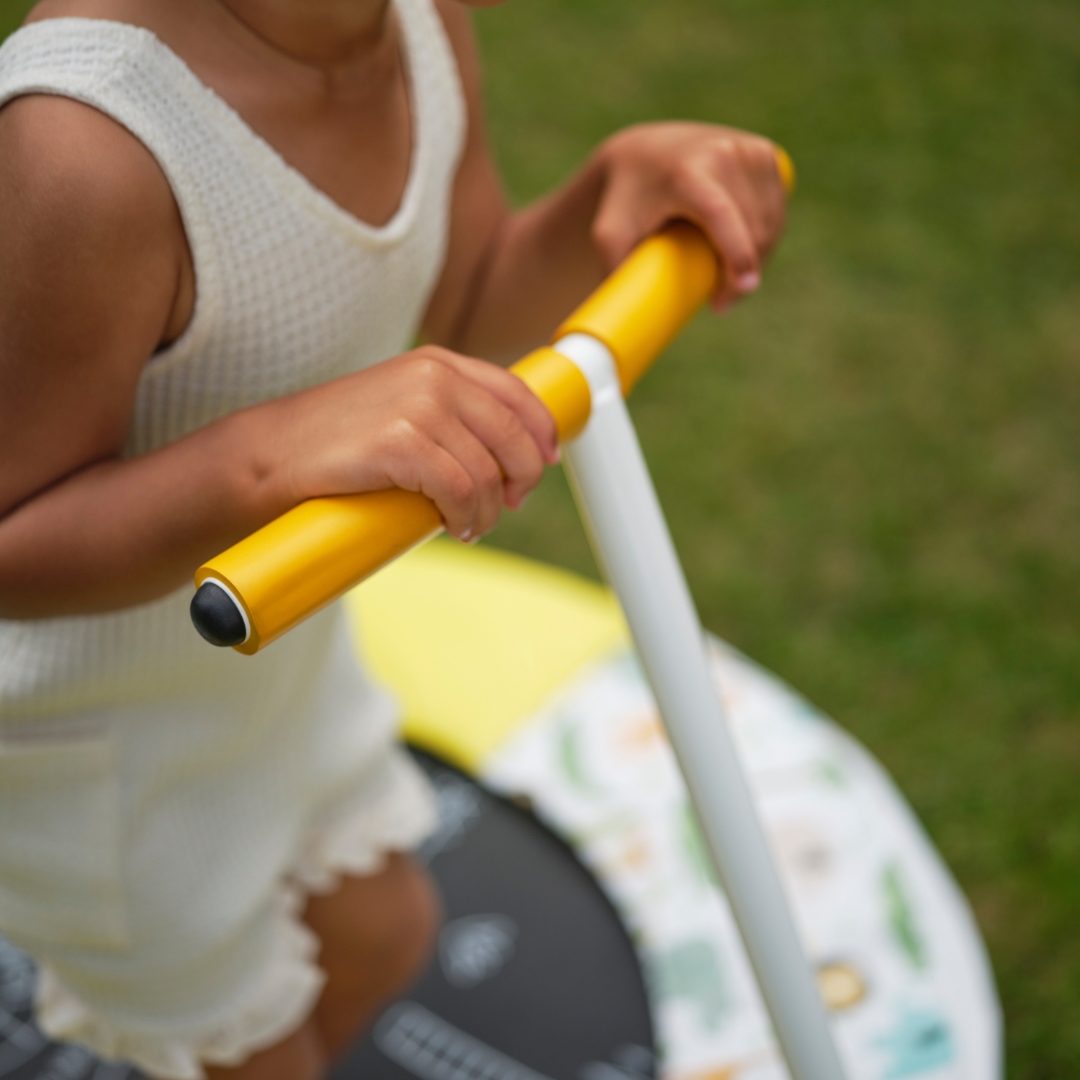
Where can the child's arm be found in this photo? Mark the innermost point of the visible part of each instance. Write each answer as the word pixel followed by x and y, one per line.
pixel 90 268
pixel 511 278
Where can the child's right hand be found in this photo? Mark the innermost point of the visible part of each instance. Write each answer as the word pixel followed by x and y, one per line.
pixel 469 435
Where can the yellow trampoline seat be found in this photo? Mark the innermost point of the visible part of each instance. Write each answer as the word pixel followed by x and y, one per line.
pixel 475 640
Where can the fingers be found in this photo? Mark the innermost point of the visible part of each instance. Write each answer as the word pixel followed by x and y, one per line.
pixel 471 449
pixel 506 440
pixel 616 229
pixel 470 504
pixel 719 214
pixel 727 182
pixel 512 392
pixel 453 469
pixel 452 488
pixel 742 198
pixel 763 193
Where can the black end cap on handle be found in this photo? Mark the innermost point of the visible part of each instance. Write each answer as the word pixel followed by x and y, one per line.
pixel 216 616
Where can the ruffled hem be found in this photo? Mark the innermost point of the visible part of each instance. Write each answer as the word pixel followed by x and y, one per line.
pixel 286 994
pixel 354 839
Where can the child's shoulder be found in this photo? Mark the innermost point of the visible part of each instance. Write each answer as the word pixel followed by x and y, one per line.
pixel 70 157
pixel 88 221
pixel 72 168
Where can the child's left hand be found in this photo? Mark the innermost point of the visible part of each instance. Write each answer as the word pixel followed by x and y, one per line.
pixel 727 182
pixel 510 278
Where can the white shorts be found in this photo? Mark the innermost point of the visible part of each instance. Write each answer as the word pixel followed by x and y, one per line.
pixel 154 861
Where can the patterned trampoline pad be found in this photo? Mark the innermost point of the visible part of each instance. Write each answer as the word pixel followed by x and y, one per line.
pixel 897 953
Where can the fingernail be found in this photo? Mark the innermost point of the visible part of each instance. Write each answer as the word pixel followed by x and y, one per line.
pixel 749 281
pixel 464 537
pixel 473 540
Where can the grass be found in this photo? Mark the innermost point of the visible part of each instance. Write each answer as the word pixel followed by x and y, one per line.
pixel 872 470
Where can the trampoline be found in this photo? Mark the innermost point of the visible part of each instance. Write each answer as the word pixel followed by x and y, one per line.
pixel 585 937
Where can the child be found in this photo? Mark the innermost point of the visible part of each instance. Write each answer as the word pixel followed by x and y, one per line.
pixel 218 217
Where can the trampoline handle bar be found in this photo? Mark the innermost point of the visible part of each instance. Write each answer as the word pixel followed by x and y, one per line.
pixel 274 579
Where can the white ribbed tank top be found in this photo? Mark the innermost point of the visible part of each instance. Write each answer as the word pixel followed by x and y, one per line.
pixel 291 290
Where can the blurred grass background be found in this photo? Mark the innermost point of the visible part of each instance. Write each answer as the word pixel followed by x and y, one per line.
pixel 872 469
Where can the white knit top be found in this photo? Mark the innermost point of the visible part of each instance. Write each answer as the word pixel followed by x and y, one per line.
pixel 291 291
pixel 163 803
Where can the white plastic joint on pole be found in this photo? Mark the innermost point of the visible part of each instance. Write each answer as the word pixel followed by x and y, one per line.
pixel 628 532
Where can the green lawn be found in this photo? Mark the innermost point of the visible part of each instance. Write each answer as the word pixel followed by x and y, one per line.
pixel 872 470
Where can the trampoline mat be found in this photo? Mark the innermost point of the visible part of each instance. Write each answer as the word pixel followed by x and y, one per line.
pixel 533 977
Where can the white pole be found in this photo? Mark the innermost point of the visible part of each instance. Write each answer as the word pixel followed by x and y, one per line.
pixel 630 537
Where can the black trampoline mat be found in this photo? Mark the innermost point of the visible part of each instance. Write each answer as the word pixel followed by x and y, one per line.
pixel 534 976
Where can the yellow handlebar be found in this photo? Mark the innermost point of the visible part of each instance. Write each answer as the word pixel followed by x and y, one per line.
pixel 308 557
pixel 644 304
pixel 286 571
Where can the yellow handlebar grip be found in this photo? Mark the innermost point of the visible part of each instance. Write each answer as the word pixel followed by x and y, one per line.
pixel 648 299
pixel 641 307
pixel 308 557
pixel 559 384
pixel 786 167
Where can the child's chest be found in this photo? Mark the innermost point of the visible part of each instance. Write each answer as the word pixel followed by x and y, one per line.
pixel 342 117
pixel 353 143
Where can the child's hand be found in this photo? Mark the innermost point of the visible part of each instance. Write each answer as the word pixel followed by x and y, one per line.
pixel 469 435
pixel 725 181
pixel 511 278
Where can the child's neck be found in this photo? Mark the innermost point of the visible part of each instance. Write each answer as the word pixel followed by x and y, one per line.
pixel 322 81
pixel 319 33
